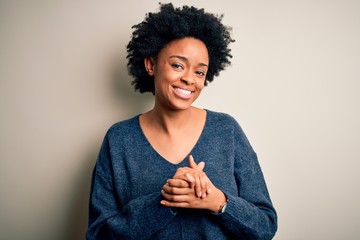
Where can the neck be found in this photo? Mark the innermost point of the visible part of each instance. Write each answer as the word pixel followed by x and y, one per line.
pixel 172 121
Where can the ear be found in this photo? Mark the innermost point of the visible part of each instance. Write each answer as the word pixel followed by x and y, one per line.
pixel 149 65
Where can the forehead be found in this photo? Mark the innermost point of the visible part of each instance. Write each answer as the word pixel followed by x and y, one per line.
pixel 188 47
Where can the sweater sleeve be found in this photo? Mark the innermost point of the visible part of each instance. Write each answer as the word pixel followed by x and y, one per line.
pixel 110 219
pixel 250 214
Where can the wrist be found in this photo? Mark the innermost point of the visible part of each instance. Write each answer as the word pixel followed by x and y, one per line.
pixel 220 202
pixel 222 207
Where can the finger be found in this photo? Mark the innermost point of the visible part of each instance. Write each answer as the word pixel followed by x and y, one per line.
pixel 190 179
pixel 175 190
pixel 174 197
pixel 192 162
pixel 180 183
pixel 197 186
pixel 208 190
pixel 174 204
pixel 201 186
pixel 201 166
pixel 205 184
pixel 186 177
pixel 181 171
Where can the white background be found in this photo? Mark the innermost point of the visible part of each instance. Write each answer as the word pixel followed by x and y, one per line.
pixel 293 86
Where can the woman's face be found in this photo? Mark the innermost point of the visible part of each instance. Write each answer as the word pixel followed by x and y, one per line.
pixel 179 73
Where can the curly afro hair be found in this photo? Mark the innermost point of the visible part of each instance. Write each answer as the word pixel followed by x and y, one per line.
pixel 158 29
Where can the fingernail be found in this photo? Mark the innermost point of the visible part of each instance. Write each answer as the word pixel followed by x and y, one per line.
pixel 209 190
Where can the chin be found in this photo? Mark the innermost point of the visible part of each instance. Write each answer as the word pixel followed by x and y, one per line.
pixel 180 107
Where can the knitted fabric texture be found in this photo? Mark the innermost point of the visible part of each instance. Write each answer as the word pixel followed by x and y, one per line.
pixel 129 174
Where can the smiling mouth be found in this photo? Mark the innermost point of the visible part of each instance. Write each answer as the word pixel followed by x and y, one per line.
pixel 183 91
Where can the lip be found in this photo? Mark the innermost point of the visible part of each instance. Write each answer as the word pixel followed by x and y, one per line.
pixel 183 92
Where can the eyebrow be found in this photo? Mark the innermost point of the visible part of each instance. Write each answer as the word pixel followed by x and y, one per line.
pixel 186 59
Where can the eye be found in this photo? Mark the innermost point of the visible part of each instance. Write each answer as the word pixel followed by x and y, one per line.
pixel 200 73
pixel 177 66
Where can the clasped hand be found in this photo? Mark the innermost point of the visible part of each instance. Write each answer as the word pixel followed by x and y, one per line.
pixel 190 187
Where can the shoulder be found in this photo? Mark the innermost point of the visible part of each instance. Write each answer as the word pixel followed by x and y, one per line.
pixel 123 128
pixel 221 119
pixel 221 123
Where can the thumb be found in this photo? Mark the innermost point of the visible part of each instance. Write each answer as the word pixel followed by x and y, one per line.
pixel 192 162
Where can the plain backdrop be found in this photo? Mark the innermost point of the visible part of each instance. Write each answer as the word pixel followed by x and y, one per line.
pixel 293 86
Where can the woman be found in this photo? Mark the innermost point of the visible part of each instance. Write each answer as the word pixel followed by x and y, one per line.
pixel 146 182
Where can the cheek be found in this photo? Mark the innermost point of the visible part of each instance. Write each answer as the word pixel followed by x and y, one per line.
pixel 200 84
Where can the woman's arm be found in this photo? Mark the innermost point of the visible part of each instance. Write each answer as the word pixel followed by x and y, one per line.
pixel 109 219
pixel 249 215
pixel 249 211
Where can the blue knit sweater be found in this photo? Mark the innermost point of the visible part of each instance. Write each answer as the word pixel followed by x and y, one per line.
pixel 129 174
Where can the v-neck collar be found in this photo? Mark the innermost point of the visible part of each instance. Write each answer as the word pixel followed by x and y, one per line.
pixel 145 139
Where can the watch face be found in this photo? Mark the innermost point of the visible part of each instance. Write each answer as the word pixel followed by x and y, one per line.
pixel 223 208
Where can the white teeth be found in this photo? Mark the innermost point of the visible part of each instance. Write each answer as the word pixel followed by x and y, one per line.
pixel 183 91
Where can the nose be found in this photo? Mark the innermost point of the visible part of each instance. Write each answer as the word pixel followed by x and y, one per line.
pixel 188 78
